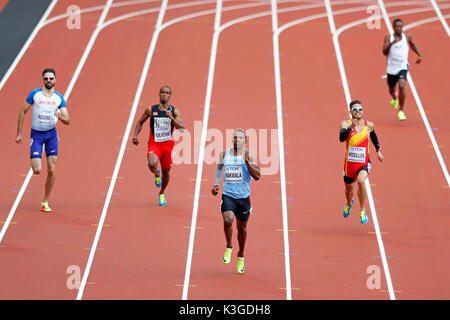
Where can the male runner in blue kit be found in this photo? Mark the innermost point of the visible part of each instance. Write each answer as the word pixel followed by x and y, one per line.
pixel 238 167
pixel 47 105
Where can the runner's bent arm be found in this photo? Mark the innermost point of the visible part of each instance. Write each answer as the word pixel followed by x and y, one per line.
pixel 252 165
pixel 20 119
pixel 346 127
pixel 374 139
pixel 218 174
pixel 414 48
pixel 139 124
pixel 176 119
pixel 64 116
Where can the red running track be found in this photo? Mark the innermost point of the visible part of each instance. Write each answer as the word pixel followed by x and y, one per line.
pixel 142 249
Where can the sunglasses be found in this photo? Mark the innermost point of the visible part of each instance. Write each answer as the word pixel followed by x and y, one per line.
pixel 49 78
pixel 357 108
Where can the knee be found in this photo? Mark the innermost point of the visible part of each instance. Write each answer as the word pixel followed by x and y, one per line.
pixel 52 171
pixel 241 228
pixel 227 222
pixel 361 183
pixel 37 171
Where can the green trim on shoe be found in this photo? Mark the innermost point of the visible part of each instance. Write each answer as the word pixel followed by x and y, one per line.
pixel 363 217
pixel 162 200
pixel 45 207
pixel 227 256
pixel 240 266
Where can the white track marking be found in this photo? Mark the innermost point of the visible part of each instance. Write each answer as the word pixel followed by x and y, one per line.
pixel 66 96
pixel 439 14
pixel 368 188
pixel 277 72
pixel 418 101
pixel 27 43
pixel 112 184
pixel 212 64
pixel 424 21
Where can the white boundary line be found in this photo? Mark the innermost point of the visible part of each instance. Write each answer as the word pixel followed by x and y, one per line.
pixel 418 102
pixel 27 43
pixel 66 96
pixel 439 14
pixel 277 72
pixel 368 188
pixel 122 147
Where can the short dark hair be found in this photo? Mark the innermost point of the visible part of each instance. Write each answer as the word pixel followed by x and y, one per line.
pixel 353 103
pixel 241 130
pixel 49 70
pixel 160 89
pixel 397 20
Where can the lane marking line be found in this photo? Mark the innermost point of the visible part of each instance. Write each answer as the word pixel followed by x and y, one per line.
pixel 343 75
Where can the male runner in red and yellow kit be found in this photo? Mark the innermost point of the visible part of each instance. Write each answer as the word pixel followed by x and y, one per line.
pixel 164 118
pixel 355 133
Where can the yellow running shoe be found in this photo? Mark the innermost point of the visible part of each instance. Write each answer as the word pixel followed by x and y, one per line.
pixel 240 265
pixel 401 116
pixel 158 180
pixel 227 256
pixel 162 200
pixel 394 103
pixel 45 207
pixel 363 216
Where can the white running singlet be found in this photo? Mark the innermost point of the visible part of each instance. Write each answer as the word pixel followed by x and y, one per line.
pixel 397 58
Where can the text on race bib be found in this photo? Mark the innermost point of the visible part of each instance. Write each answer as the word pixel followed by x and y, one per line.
pixel 162 129
pixel 356 154
pixel 233 174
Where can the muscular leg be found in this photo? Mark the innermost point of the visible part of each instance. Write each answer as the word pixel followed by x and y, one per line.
pixel 153 164
pixel 401 93
pixel 349 193
pixel 51 176
pixel 36 165
pixel 164 179
pixel 362 195
pixel 392 92
pixel 228 217
pixel 242 236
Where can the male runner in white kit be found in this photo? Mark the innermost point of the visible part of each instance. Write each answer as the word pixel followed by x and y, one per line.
pixel 396 48
pixel 239 167
pixel 47 105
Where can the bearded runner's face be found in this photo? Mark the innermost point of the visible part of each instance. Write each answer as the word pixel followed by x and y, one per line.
pixel 49 80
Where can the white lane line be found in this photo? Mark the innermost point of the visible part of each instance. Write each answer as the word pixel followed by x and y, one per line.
pixel 112 184
pixel 439 14
pixel 66 96
pixel 217 30
pixel 367 183
pixel 419 103
pixel 198 180
pixel 276 60
pixel 424 21
pixel 201 156
pixel 27 43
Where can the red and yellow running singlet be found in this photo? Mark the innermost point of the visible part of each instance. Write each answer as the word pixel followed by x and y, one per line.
pixel 357 151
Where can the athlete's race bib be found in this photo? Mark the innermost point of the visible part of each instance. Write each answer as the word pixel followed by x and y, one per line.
pixel 356 154
pixel 233 174
pixel 162 129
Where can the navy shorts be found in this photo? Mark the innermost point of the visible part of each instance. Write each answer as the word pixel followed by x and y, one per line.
pixel 241 208
pixel 392 79
pixel 41 139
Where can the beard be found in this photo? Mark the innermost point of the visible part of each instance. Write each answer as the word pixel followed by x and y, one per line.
pixel 49 85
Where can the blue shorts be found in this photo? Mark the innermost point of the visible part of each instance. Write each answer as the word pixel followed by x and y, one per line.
pixel 39 139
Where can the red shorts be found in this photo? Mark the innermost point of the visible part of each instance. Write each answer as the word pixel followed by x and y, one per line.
pixel 163 151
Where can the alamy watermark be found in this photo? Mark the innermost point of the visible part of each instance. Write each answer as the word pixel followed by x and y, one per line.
pixel 262 143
